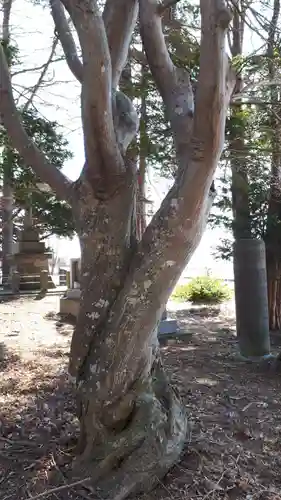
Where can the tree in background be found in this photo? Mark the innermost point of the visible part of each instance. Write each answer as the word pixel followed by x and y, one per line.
pixel 133 426
pixel 249 192
pixel 18 184
pixel 50 215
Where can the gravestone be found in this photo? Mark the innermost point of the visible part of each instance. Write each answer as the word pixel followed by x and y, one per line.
pixel 70 302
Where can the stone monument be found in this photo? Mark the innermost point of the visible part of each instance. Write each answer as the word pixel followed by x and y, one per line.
pixel 70 302
pixel 31 258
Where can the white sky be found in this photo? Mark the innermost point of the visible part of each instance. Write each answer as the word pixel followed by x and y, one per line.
pixel 32 29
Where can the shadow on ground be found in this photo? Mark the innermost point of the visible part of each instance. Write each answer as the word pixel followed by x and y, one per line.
pixel 234 409
pixel 8 298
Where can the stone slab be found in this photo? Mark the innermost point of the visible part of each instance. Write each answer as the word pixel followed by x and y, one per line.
pixel 73 293
pixel 69 306
pixel 167 326
pixel 31 247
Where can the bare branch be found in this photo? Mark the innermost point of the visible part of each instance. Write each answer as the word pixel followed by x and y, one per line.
pixel 154 43
pixel 31 154
pixel 214 74
pixel 167 4
pixel 119 19
pixel 96 97
pixel 173 83
pixel 66 39
pixel 34 69
pixel 42 75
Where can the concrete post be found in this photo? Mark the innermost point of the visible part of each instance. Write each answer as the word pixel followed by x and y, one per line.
pixel 44 278
pixel 15 281
pixel 67 276
pixel 252 323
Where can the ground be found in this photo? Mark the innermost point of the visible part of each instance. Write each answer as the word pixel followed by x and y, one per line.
pixel 234 448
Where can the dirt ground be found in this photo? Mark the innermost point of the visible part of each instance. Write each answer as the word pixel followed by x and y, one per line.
pixel 233 450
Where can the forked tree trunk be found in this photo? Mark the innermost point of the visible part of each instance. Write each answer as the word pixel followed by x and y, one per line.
pixel 131 418
pixel 133 426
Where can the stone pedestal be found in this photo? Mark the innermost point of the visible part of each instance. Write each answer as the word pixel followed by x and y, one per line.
pixel 31 260
pixel 252 323
pixel 70 303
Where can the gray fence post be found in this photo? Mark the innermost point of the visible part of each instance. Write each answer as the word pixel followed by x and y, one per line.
pixel 15 281
pixel 44 278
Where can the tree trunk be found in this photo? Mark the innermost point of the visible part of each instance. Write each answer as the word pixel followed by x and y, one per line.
pixel 239 181
pixel 274 290
pixel 133 426
pixel 7 228
pixel 131 418
pixel 272 237
pixel 7 206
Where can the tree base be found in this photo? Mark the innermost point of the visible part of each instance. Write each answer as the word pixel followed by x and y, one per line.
pixel 133 460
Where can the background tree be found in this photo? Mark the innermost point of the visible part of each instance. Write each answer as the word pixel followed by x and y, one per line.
pixel 55 217
pixel 7 189
pixel 50 215
pixel 253 151
pixel 133 427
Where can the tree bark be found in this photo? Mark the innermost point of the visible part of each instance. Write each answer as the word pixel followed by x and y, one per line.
pixel 7 205
pixel 239 175
pixel 131 418
pixel 272 237
pixel 7 223
pixel 142 171
pixel 133 426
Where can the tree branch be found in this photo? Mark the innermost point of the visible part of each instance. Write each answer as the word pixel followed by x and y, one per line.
pixel 31 154
pixel 66 39
pixel 158 57
pixel 119 19
pixel 173 83
pixel 103 156
pixel 166 4
pixel 42 75
pixel 215 76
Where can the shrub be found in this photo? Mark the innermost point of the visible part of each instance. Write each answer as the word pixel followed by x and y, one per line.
pixel 203 289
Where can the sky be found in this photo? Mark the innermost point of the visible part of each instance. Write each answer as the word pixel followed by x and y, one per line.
pixel 32 29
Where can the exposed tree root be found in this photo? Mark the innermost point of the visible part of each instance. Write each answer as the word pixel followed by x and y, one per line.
pixel 134 459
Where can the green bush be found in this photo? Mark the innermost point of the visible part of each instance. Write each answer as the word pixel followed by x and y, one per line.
pixel 203 289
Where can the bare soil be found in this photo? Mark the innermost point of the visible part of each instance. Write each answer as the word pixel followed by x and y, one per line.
pixel 233 451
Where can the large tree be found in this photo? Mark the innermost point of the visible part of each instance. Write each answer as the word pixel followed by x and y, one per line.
pixel 254 147
pixel 133 426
